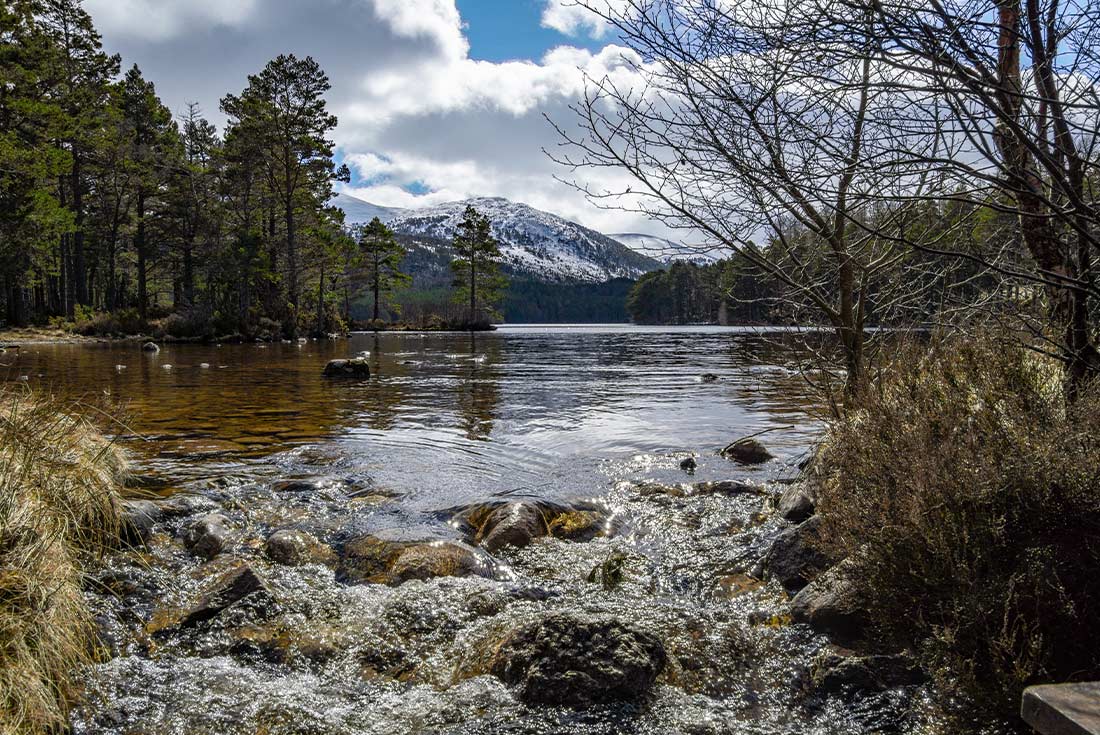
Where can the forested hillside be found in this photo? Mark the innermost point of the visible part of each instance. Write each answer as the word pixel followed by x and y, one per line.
pixel 112 203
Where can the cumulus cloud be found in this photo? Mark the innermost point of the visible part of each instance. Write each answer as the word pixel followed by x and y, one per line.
pixel 573 19
pixel 421 120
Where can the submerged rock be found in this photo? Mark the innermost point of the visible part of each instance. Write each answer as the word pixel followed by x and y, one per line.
pixel 572 661
pixel 207 536
pixel 354 368
pixel 842 672
pixel 747 451
pixel 370 559
pixel 150 347
pixel 689 465
pixel 709 378
pixel 295 548
pixel 830 604
pixel 794 559
pixel 796 504
pixel 231 588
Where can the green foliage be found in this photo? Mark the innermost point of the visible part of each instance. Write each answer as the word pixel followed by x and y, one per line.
pixel 966 495
pixel 478 282
pixel 380 256
pixel 729 291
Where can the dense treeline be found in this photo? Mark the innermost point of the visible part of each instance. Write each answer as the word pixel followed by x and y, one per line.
pixel 113 204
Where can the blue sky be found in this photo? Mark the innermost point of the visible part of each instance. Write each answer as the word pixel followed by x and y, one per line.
pixel 438 100
pixel 503 30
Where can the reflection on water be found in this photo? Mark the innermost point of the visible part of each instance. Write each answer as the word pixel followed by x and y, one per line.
pixel 499 411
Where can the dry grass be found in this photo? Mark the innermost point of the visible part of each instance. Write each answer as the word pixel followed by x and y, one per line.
pixel 59 508
pixel 968 497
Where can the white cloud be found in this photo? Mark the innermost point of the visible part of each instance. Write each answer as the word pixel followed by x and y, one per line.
pixel 573 19
pixel 417 112
pixel 162 19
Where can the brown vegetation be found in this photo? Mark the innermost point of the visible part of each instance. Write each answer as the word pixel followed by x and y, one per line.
pixel 59 508
pixel 966 495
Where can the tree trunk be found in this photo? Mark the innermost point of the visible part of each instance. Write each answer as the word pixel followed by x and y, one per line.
pixel 142 265
pixel 79 272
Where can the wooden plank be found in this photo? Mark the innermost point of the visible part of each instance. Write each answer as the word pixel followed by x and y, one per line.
pixel 1063 709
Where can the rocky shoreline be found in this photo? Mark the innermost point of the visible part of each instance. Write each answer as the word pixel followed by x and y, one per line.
pixel 547 637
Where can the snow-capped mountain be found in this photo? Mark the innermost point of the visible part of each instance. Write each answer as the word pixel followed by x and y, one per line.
pixel 358 212
pixel 667 251
pixel 534 243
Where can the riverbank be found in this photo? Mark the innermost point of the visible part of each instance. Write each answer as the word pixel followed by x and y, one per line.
pixel 59 514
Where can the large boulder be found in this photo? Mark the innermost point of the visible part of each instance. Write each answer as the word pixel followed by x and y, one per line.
pixel 796 504
pixel 207 536
pixel 354 368
pixel 831 604
pixel 794 558
pixel 572 661
pixel 747 451
pixel 295 548
pixel 150 347
pixel 371 559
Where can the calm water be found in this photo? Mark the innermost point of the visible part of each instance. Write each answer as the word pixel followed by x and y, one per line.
pixel 558 413
pixel 523 408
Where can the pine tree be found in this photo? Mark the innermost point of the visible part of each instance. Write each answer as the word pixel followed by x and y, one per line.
pixel 478 281
pixel 154 147
pixel 381 257
pixel 31 217
pixel 81 74
pixel 284 106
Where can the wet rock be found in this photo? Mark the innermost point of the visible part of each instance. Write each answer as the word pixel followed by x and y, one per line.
pixel 234 587
pixel 295 548
pixel 182 505
pixel 689 465
pixel 354 368
pixel 735 585
pixel 837 671
pixel 296 486
pixel 794 559
pixel 370 559
pixel 747 451
pixel 443 559
pixel 578 525
pixel 494 526
pixel 727 487
pixel 139 520
pixel 514 524
pixel 830 604
pixel 567 660
pixel 709 378
pixel 207 536
pixel 150 347
pixel 796 504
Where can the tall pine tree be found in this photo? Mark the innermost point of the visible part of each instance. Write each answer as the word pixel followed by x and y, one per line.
pixel 381 257
pixel 478 281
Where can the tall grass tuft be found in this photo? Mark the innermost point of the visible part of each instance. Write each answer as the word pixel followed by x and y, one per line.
pixel 59 509
pixel 967 495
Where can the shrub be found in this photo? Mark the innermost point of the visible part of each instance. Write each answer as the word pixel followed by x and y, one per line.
pixel 967 496
pixel 190 324
pixel 122 322
pixel 58 509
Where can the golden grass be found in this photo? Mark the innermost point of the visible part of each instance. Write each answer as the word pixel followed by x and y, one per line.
pixel 60 481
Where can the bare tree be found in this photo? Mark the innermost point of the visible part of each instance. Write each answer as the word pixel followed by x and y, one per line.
pixel 739 127
pixel 1018 79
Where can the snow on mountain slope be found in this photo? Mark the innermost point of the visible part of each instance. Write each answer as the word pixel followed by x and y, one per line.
pixel 667 251
pixel 359 212
pixel 534 243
